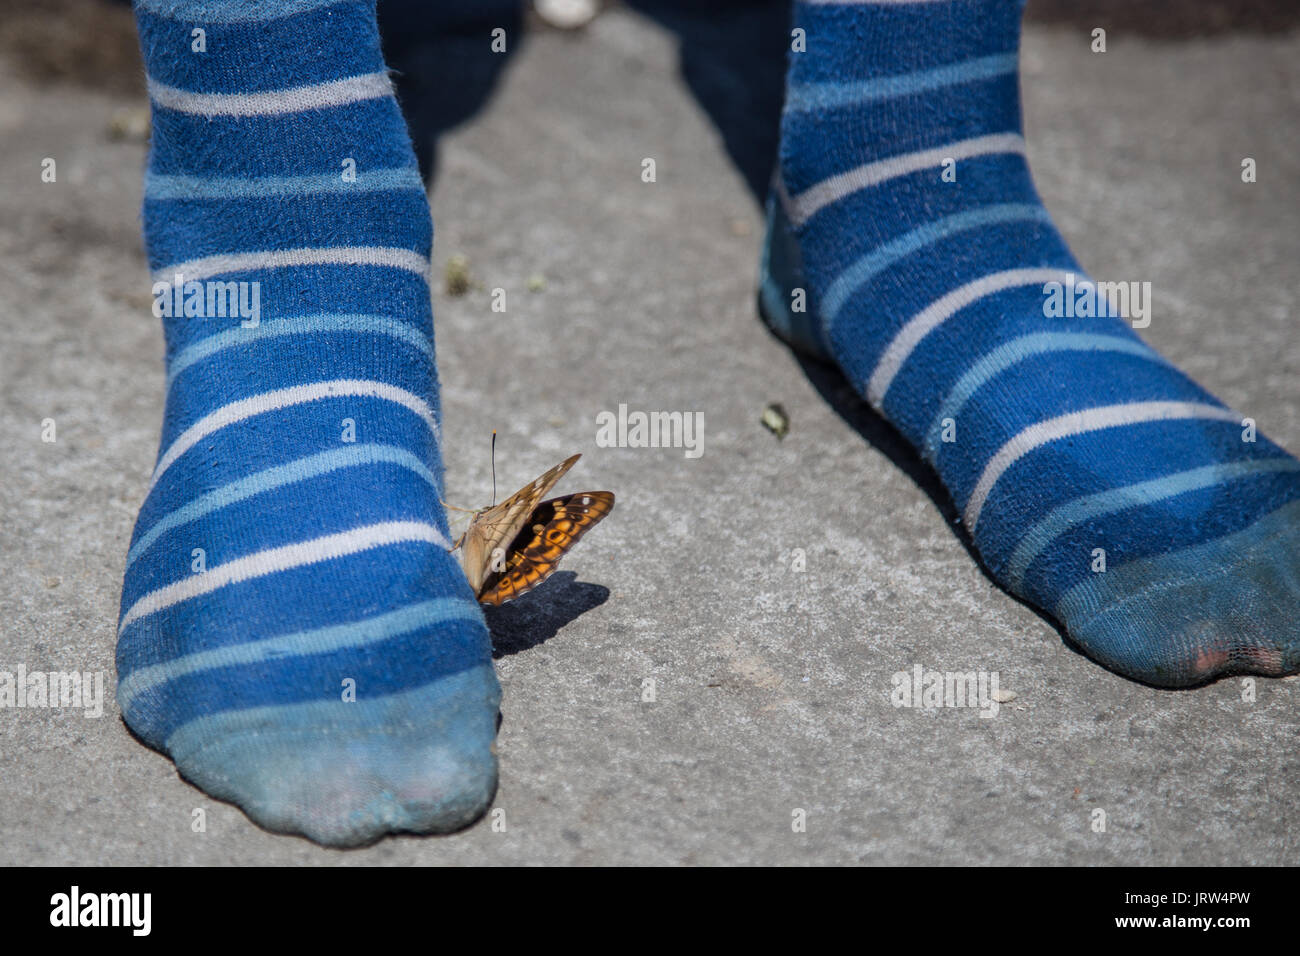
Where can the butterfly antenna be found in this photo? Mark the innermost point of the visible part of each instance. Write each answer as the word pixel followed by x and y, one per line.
pixel 494 466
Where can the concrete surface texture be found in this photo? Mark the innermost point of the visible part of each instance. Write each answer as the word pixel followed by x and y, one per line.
pixel 771 685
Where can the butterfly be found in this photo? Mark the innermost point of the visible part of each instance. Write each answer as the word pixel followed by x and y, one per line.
pixel 510 548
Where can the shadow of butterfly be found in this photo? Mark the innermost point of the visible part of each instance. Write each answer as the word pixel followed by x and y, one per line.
pixel 510 548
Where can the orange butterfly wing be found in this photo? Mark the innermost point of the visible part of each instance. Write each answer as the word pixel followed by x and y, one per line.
pixel 496 527
pixel 550 533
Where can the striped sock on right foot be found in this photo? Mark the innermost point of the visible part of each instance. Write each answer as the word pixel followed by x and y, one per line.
pixel 1098 482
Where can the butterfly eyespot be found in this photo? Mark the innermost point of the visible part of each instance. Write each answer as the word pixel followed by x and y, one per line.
pixel 586 500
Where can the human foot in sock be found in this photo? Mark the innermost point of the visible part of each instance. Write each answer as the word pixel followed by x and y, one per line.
pixel 1098 482
pixel 294 632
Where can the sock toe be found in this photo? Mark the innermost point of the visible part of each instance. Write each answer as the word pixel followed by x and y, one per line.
pixel 1230 606
pixel 344 774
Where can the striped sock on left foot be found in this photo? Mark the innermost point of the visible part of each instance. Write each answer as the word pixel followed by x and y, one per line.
pixel 294 632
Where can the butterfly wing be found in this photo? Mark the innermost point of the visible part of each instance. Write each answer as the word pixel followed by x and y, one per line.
pixel 497 526
pixel 550 533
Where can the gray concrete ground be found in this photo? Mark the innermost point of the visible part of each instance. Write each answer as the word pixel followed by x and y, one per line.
pixel 772 686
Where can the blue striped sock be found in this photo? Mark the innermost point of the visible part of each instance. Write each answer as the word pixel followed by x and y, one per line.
pixel 1098 482
pixel 294 632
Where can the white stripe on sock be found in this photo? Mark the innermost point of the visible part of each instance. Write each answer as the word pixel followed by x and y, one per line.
pixel 816 197
pixel 351 635
pixel 1077 423
pixel 938 312
pixel 298 99
pixel 283 398
pixel 284 558
pixel 224 263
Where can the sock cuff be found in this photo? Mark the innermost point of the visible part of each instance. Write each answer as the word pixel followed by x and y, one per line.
pixel 223 48
pixel 847 41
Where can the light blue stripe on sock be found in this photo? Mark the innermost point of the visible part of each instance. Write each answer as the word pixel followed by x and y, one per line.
pixel 882 257
pixel 323 640
pixel 351 456
pixel 806 97
pixel 1063 518
pixel 231 11
pixel 298 325
pixel 162 186
pixel 1017 350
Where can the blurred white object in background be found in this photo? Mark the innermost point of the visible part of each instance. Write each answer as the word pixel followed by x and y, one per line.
pixel 567 14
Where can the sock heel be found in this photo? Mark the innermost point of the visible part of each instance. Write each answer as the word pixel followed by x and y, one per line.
pixel 780 274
